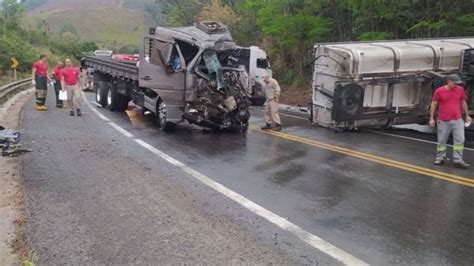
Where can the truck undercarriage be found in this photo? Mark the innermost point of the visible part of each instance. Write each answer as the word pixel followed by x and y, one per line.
pixel 373 84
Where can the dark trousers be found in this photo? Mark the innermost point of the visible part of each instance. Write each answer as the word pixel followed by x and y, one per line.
pixel 41 90
pixel 57 88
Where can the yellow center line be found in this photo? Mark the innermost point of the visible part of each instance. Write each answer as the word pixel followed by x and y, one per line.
pixel 372 158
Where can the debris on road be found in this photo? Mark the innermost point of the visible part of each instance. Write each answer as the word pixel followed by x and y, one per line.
pixel 9 143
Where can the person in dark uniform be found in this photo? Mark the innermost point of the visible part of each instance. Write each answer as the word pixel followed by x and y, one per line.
pixel 40 81
pixel 56 73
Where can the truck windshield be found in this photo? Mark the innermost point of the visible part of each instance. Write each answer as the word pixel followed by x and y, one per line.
pixel 214 67
pixel 263 63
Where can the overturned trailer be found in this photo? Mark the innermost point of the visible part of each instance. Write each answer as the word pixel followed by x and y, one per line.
pixel 384 83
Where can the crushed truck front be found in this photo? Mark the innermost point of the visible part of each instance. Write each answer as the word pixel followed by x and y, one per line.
pixel 190 76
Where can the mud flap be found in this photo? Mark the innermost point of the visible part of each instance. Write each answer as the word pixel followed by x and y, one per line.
pixel 348 102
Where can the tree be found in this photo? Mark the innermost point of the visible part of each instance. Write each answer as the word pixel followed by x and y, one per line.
pixel 68 27
pixel 156 11
pixel 184 12
pixel 292 27
pixel 14 46
pixel 217 11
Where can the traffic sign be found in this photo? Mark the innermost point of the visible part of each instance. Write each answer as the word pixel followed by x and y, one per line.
pixel 15 63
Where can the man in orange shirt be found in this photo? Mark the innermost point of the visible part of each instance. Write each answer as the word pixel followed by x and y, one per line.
pixel 40 78
pixel 56 73
pixel 70 83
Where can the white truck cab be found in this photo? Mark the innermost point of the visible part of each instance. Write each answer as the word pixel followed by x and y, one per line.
pixel 257 63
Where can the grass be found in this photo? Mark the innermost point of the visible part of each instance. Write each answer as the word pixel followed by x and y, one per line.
pixel 7 77
pixel 111 27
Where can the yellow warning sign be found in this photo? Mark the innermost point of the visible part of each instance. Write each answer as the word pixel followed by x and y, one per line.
pixel 15 63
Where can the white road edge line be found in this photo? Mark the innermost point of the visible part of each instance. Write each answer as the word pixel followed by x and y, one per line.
pixel 411 138
pixel 313 240
pixel 101 116
pixel 121 130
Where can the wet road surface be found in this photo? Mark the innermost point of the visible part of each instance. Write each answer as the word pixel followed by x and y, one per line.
pixel 372 195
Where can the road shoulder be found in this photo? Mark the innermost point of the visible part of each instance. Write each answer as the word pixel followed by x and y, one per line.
pixel 13 246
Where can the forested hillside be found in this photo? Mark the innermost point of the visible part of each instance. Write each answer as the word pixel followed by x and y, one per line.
pixel 26 44
pixel 287 29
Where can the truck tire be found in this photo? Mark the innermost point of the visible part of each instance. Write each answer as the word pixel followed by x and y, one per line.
pixel 114 100
pixel 101 91
pixel 161 119
pixel 258 101
pixel 124 100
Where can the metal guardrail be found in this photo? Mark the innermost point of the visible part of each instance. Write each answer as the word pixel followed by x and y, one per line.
pixel 11 89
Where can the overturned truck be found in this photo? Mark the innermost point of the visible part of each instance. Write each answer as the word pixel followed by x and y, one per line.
pixel 183 74
pixel 385 83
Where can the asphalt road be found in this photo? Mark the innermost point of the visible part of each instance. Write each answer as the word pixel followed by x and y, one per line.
pixel 95 196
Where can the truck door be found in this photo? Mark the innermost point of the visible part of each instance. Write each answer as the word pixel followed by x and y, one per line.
pixel 162 70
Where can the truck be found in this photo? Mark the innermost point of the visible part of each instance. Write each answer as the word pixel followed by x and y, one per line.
pixel 384 83
pixel 183 74
pixel 257 63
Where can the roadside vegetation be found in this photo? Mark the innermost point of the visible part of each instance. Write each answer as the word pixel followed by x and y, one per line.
pixel 25 44
pixel 286 29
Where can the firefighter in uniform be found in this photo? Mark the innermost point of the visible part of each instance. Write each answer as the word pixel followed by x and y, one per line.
pixel 56 73
pixel 40 81
pixel 272 94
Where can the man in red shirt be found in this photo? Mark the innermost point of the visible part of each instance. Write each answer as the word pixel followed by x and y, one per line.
pixel 40 81
pixel 69 83
pixel 451 103
pixel 56 73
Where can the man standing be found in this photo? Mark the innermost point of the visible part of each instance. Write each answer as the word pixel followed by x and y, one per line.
pixel 451 103
pixel 69 83
pixel 272 93
pixel 40 81
pixel 56 73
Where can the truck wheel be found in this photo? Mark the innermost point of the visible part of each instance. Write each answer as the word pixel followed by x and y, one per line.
pixel 258 101
pixel 161 119
pixel 169 126
pixel 101 91
pixel 113 98
pixel 123 103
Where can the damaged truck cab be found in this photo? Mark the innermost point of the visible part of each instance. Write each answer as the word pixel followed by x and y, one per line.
pixel 183 74
pixel 187 74
pixel 385 82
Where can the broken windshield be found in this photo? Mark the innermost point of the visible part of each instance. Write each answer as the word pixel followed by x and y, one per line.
pixel 214 67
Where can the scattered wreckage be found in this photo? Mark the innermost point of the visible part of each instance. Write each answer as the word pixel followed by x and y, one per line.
pixel 9 143
pixel 183 74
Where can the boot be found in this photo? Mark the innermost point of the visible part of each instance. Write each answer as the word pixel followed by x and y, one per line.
pixel 267 126
pixel 71 113
pixel 461 165
pixel 277 127
pixel 78 111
